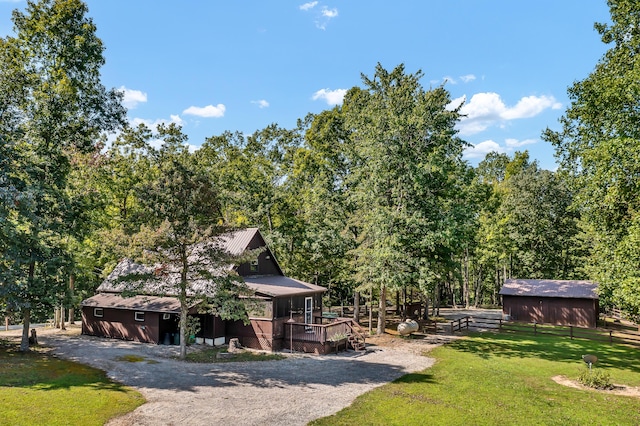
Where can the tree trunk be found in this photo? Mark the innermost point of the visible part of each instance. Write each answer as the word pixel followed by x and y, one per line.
pixel 356 306
pixel 26 323
pixel 465 282
pixel 478 288
pixel 26 312
pixel 62 327
pixel 72 286
pixel 370 310
pixel 425 298
pixel 382 310
pixel 56 317
pixel 184 308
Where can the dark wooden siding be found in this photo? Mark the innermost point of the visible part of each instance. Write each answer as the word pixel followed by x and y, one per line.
pixel 121 324
pixel 266 266
pixel 552 310
pixel 257 335
pixel 266 263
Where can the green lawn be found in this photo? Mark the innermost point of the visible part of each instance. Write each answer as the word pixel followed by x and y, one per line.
pixel 36 388
pixel 491 379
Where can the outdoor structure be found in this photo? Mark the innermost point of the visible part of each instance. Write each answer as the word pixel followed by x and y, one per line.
pixel 288 314
pixel 557 302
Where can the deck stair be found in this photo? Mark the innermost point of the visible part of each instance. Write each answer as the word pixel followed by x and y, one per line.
pixel 356 337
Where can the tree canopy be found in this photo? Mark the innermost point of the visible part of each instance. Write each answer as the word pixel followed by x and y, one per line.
pixel 598 148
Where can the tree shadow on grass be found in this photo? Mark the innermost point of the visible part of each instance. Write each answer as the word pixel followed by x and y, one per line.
pixel 41 371
pixel 551 348
pixel 415 378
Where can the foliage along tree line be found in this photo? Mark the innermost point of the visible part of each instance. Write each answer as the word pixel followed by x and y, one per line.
pixel 369 198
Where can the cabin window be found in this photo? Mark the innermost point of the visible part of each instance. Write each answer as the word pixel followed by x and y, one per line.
pixel 253 266
pixel 98 312
pixel 139 316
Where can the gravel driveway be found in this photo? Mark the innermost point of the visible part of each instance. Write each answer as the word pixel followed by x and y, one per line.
pixel 293 391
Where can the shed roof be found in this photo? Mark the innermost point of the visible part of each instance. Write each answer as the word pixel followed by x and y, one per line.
pixel 135 303
pixel 550 288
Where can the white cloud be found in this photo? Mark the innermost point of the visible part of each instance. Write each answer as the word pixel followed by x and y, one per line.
pixel 322 16
pixel 482 149
pixel 152 124
pixel 449 79
pixel 530 106
pixel 488 109
pixel 331 97
pixel 132 97
pixel 175 118
pixel 261 103
pixel 455 103
pixel 467 78
pixel 515 143
pixel 207 112
pixel 309 5
pixel 329 13
pixel 192 148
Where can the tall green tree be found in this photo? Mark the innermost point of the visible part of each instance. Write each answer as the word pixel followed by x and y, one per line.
pixel 599 148
pixel 62 108
pixel 403 167
pixel 182 235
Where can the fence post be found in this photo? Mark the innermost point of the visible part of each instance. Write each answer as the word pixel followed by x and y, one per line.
pixel 610 337
pixel 571 331
pixel 500 325
pixel 451 327
pixel 467 318
pixel 535 329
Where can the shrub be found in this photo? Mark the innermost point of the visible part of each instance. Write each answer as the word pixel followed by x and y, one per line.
pixel 595 379
pixel 337 337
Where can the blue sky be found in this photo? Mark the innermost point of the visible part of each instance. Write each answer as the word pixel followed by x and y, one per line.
pixel 241 65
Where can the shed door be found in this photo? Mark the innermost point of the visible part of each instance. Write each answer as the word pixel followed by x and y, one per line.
pixel 308 310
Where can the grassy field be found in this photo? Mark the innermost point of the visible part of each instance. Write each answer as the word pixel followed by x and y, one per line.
pixel 36 388
pixel 490 379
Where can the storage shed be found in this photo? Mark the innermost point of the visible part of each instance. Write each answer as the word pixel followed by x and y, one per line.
pixel 560 302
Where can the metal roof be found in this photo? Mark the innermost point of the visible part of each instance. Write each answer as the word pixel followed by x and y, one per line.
pixel 550 288
pixel 237 241
pixel 278 285
pixel 135 303
pixel 163 280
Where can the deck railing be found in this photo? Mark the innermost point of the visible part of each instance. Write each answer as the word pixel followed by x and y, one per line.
pixel 319 333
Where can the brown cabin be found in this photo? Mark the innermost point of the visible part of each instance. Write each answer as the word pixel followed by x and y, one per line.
pixel 289 314
pixel 559 302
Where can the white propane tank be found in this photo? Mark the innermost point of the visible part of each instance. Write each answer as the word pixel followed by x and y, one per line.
pixel 407 327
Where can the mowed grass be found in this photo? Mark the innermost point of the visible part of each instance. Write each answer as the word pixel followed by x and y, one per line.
pixel 491 379
pixel 36 388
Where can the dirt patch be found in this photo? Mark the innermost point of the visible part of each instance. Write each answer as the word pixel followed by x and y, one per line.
pixel 617 390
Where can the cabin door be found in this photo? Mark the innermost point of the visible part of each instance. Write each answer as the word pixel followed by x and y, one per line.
pixel 308 310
